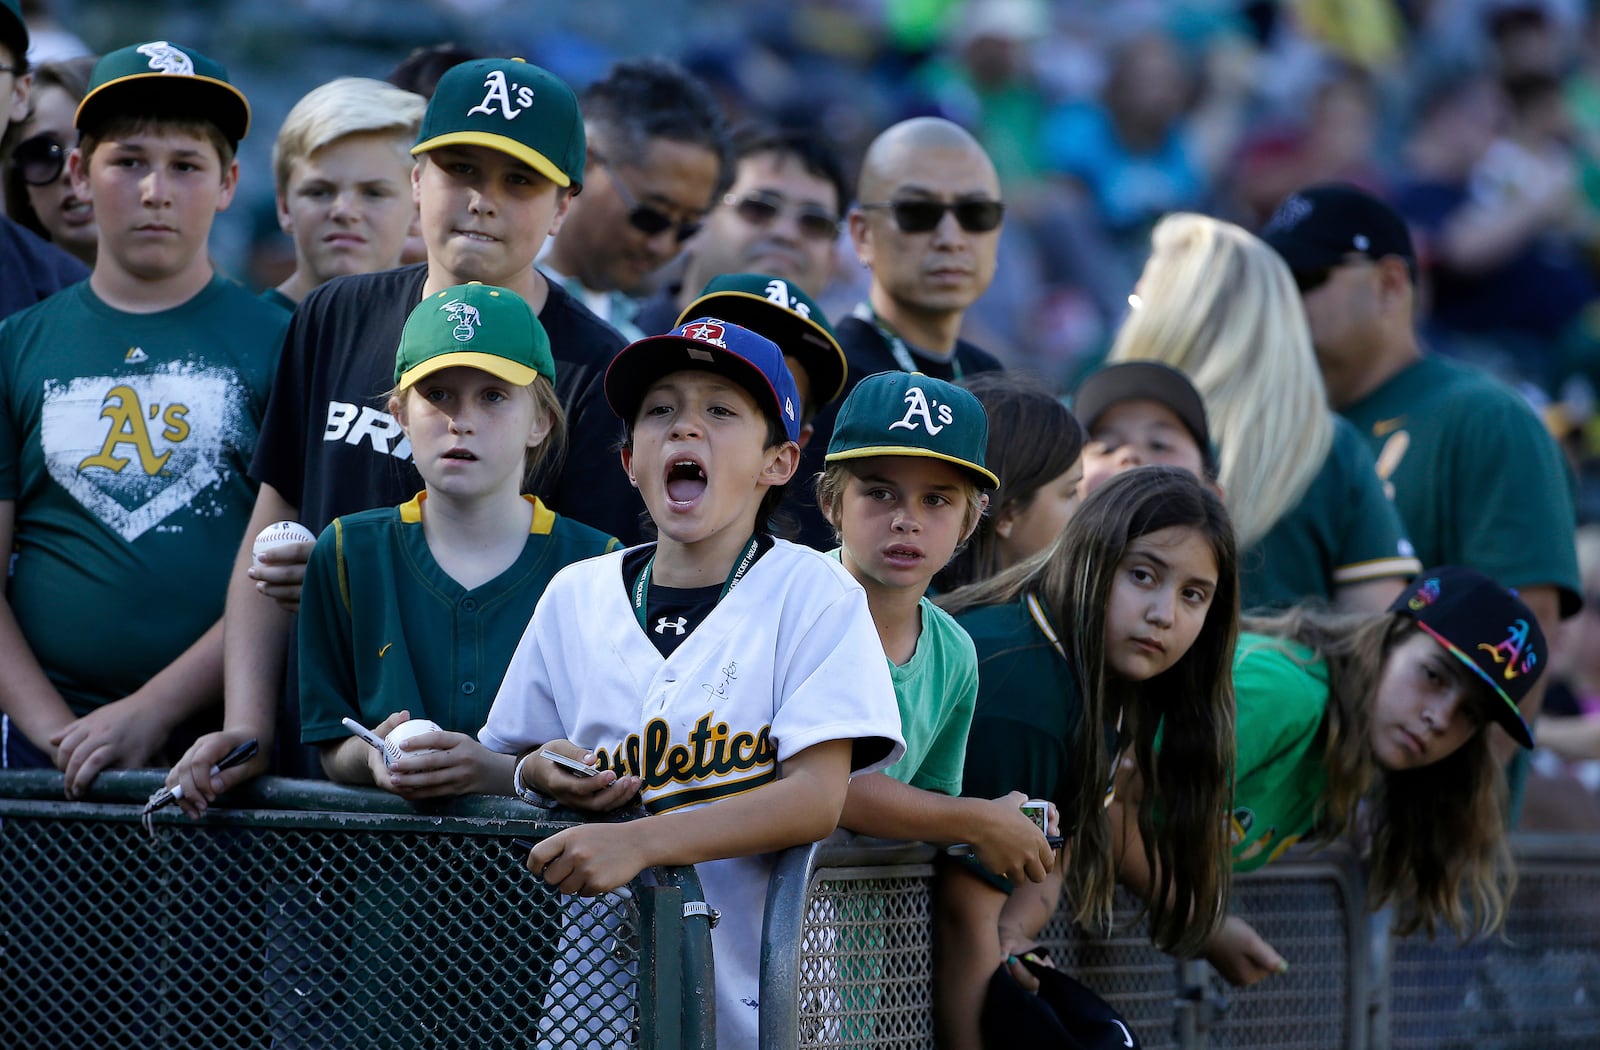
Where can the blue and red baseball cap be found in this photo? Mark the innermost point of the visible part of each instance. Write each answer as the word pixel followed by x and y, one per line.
pixel 706 344
pixel 1488 628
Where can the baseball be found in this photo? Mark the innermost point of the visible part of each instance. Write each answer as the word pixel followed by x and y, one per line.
pixel 277 534
pixel 405 731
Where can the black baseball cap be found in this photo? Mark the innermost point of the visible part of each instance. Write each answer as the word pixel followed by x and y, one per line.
pixel 1146 381
pixel 1319 226
pixel 1488 628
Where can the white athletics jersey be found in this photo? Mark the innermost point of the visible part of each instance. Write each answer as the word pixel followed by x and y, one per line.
pixel 789 658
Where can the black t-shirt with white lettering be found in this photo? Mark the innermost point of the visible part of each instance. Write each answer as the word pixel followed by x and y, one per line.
pixel 329 445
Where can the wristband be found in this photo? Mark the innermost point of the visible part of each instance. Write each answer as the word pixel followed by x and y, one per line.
pixel 525 793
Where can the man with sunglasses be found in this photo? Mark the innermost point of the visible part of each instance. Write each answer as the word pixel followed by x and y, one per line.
pixel 927 226
pixel 31 268
pixel 659 155
pixel 1476 477
pixel 781 217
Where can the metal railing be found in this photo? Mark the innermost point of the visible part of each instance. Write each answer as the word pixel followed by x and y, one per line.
pixel 314 915
pixel 849 953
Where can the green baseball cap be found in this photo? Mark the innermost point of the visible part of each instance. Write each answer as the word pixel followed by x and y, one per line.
pixel 784 313
pixel 512 106
pixel 911 414
pixel 160 79
pixel 13 30
pixel 474 326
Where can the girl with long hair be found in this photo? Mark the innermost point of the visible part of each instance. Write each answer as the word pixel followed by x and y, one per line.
pixel 1124 626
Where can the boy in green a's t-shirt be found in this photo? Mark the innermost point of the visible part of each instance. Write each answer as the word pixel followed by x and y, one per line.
pixel 129 407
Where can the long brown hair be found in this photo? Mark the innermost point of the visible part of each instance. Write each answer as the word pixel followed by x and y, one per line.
pixel 1191 703
pixel 1438 847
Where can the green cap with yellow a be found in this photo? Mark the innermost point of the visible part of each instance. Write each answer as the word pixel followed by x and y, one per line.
pixel 474 326
pixel 162 79
pixel 512 106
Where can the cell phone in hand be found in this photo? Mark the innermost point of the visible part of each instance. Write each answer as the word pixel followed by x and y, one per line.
pixel 571 765
pixel 1038 811
pixel 357 729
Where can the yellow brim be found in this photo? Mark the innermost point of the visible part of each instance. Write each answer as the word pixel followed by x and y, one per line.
pixel 499 367
pixel 903 450
pixel 238 95
pixel 501 143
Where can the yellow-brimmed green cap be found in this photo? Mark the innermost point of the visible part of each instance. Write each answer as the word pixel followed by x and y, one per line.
pixel 162 79
pixel 783 312
pixel 911 414
pixel 514 107
pixel 474 326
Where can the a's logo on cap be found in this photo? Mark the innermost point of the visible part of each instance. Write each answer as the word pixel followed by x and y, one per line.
pixel 498 93
pixel 1513 652
pixel 778 292
pixel 1427 594
pixel 920 412
pixel 465 317
pixel 1290 214
pixel 705 332
pixel 164 58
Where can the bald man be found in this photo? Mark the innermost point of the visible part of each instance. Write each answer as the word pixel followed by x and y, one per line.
pixel 927 226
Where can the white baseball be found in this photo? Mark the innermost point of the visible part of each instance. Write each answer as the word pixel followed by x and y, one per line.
pixel 405 731
pixel 276 535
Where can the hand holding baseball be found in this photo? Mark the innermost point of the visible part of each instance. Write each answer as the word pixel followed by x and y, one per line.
pixel 278 562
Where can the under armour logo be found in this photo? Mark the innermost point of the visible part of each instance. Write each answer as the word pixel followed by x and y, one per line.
pixel 498 93
pixel 677 625
pixel 919 408
pixel 778 292
pixel 164 58
pixel 465 318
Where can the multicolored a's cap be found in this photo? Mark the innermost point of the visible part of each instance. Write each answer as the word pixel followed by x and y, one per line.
pixel 911 414
pixel 474 326
pixel 512 106
pixel 1486 627
pixel 161 79
pixel 1146 381
pixel 706 344
pixel 783 312
pixel 13 30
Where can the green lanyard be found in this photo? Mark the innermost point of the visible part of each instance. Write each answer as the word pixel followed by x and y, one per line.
pixel 897 346
pixel 641 586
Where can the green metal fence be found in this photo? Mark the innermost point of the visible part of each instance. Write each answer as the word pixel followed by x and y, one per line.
pixel 312 915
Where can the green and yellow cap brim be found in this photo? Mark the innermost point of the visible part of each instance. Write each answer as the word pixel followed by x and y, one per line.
pixel 500 143
pixel 168 94
pixel 981 474
pixel 497 366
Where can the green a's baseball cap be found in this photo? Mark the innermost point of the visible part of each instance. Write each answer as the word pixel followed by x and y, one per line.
pixel 160 79
pixel 512 106
pixel 13 30
pixel 783 312
pixel 911 414
pixel 474 326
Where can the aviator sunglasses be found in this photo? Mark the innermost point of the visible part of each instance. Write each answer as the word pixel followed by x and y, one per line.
pixel 762 208
pixel 918 216
pixel 642 217
pixel 40 159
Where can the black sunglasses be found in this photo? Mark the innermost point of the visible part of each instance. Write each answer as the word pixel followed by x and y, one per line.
pixel 642 217
pixel 40 159
pixel 762 208
pixel 921 216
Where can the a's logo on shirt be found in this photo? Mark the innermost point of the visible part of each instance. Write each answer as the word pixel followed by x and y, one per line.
pixel 706 332
pixel 920 412
pixel 465 317
pixel 1513 652
pixel 778 292
pixel 498 94
pixel 135 356
pixel 710 761
pixel 134 450
pixel 164 58
pixel 677 625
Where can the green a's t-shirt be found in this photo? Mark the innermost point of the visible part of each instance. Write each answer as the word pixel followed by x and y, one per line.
pixel 1281 692
pixel 1476 477
pixel 937 689
pixel 125 445
pixel 1343 531
pixel 383 628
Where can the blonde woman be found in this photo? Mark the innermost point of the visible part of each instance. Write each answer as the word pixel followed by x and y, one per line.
pixel 1313 520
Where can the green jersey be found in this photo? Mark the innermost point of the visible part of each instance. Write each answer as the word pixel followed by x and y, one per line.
pixel 383 628
pixel 125 444
pixel 1477 479
pixel 1281 692
pixel 1343 531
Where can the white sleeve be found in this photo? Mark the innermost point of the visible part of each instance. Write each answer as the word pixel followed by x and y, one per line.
pixel 524 711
